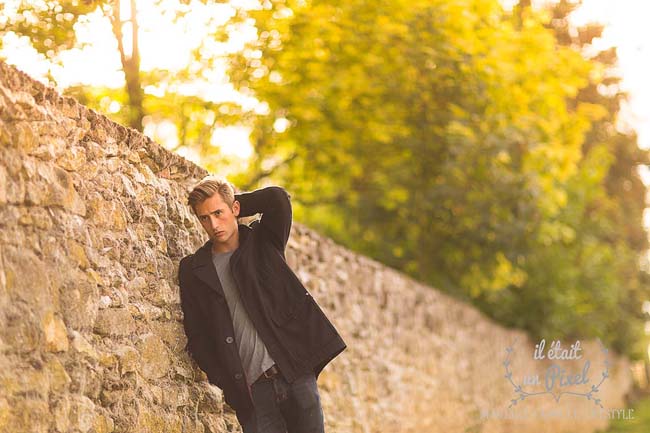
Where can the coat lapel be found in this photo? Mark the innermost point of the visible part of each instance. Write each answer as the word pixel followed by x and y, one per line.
pixel 203 267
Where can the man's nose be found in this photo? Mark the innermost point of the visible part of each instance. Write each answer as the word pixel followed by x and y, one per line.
pixel 213 222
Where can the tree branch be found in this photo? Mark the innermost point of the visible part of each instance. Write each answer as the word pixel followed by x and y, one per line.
pixel 266 173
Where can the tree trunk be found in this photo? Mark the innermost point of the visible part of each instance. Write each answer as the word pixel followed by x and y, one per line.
pixel 130 64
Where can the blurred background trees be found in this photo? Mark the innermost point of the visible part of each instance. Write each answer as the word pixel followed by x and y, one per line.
pixel 155 96
pixel 470 146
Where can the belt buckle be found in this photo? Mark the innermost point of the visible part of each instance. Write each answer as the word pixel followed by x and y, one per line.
pixel 272 372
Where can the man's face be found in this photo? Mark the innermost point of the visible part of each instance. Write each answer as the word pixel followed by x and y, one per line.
pixel 218 220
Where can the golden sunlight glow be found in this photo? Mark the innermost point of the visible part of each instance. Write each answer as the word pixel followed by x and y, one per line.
pixel 626 28
pixel 229 140
pixel 164 44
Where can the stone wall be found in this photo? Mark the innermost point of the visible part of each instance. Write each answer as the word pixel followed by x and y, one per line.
pixel 93 225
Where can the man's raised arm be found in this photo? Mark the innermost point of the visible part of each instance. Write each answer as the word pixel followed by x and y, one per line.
pixel 275 205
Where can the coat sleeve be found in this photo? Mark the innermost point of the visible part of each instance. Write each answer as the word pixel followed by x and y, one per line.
pixel 274 202
pixel 199 344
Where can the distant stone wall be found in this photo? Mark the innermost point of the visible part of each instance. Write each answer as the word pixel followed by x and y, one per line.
pixel 93 225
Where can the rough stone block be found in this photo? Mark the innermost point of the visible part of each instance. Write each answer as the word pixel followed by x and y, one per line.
pixel 114 322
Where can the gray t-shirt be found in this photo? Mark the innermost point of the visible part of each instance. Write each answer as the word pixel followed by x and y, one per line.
pixel 252 351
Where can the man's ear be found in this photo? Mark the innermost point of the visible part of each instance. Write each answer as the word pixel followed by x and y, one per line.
pixel 235 207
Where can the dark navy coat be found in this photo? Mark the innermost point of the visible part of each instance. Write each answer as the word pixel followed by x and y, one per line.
pixel 296 332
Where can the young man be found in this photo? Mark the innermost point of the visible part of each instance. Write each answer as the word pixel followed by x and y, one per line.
pixel 251 325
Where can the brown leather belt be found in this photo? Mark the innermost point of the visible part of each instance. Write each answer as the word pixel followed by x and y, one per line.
pixel 271 372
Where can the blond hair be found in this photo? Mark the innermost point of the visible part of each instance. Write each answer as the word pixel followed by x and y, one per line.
pixel 207 187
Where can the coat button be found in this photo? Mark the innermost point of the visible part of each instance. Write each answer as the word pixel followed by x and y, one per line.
pixel 238 376
pixel 229 339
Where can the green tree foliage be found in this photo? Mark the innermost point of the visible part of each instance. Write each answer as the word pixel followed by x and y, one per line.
pixel 456 142
pixel 604 292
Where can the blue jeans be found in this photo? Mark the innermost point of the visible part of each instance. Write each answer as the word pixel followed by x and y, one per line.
pixel 282 407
